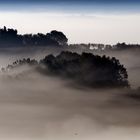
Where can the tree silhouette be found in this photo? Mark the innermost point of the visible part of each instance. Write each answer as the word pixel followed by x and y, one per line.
pixel 10 37
pixel 19 63
pixel 124 46
pixel 88 69
pixel 58 37
pixel 85 69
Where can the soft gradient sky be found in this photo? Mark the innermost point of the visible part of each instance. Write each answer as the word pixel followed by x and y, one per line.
pixel 99 21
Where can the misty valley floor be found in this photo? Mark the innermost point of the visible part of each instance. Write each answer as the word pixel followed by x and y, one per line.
pixel 48 108
pixel 34 107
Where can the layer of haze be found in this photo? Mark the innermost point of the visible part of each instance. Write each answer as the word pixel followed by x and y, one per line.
pixel 37 107
pixel 40 107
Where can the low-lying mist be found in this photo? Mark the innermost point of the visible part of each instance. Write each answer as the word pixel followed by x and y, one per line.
pixel 38 107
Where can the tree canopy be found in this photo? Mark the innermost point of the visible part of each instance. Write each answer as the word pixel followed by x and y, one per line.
pixel 85 69
pixel 10 37
pixel 88 69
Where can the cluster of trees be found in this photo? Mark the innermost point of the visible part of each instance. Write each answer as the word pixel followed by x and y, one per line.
pixel 104 47
pixel 85 69
pixel 18 63
pixel 88 69
pixel 123 46
pixel 10 37
pixel 91 46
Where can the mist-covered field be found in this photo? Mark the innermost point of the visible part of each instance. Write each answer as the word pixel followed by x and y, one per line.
pixel 38 107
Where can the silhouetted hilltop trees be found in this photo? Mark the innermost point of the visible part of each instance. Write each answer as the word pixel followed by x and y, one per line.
pixel 124 46
pixel 19 63
pixel 10 37
pixel 85 69
pixel 104 47
pixel 88 69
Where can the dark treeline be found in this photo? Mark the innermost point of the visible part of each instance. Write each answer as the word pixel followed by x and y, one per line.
pixel 85 69
pixel 103 47
pixel 123 46
pixel 10 38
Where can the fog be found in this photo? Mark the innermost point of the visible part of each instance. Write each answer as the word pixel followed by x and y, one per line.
pixel 38 107
pixel 131 60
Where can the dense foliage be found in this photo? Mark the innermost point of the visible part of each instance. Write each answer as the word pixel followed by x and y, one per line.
pixel 105 47
pixel 85 69
pixel 10 37
pixel 88 69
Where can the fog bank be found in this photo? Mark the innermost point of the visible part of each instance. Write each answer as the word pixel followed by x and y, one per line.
pixel 37 107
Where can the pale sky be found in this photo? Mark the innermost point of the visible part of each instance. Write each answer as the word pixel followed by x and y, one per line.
pixel 81 21
pixel 96 28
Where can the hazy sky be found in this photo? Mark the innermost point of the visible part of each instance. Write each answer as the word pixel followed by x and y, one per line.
pixel 99 21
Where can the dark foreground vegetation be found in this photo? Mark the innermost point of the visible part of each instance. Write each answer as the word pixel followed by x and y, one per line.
pixel 85 69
